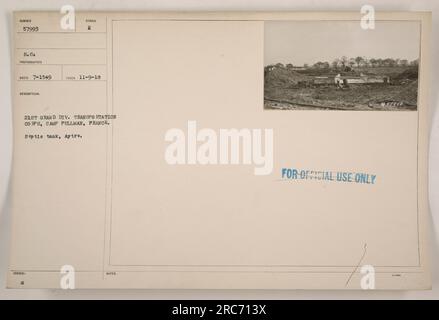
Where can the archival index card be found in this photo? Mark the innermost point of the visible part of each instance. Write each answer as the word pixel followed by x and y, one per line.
pixel 220 150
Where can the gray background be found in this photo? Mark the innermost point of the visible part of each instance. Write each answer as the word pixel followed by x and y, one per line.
pixel 6 8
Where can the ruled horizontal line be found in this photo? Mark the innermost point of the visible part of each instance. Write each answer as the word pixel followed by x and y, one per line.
pixel 58 48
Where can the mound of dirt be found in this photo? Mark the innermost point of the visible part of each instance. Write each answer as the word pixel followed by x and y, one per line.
pixel 411 74
pixel 409 92
pixel 283 77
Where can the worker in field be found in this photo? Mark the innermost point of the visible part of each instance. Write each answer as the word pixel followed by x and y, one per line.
pixel 338 81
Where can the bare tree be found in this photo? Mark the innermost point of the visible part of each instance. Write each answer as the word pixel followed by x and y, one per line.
pixel 366 62
pixel 404 62
pixel 335 63
pixel 415 63
pixel 351 62
pixel 344 61
pixel 359 61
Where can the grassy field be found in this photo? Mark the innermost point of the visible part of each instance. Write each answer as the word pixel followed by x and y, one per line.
pixel 283 90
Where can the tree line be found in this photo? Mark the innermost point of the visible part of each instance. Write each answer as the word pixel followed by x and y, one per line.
pixel 357 62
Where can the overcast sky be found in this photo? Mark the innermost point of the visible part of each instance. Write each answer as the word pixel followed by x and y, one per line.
pixel 300 42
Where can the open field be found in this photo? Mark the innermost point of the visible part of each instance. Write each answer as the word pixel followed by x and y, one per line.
pixel 292 90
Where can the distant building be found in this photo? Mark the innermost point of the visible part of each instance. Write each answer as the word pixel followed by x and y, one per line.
pixel 348 79
pixel 365 79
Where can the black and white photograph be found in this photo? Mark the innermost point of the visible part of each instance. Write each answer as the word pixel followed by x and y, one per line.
pixel 191 153
pixel 338 65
